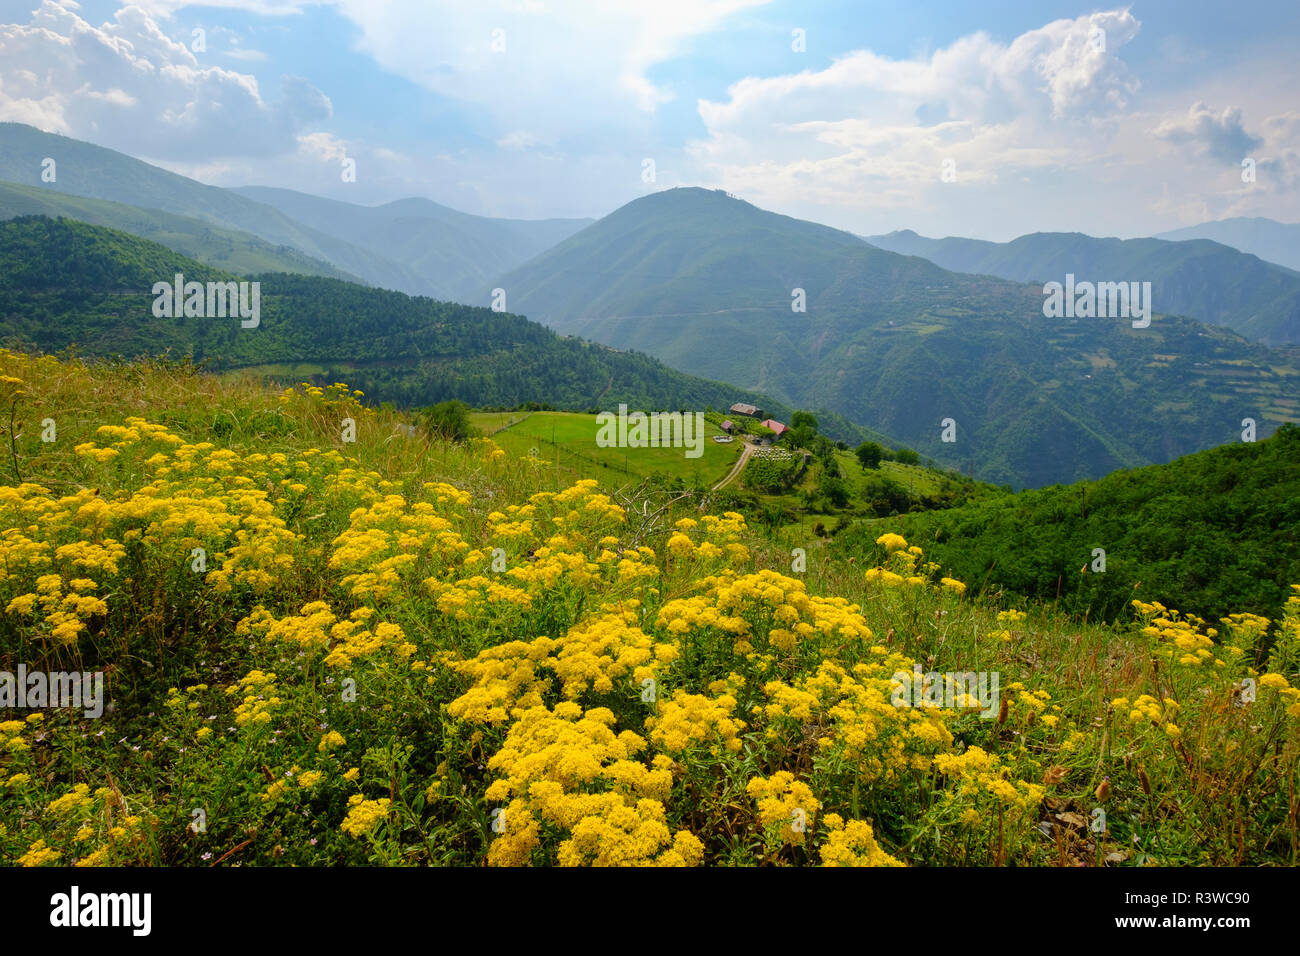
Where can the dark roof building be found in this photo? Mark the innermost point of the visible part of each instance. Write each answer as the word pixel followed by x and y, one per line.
pixel 740 408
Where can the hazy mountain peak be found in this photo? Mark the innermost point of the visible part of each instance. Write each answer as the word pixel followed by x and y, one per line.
pixel 1200 277
pixel 1272 241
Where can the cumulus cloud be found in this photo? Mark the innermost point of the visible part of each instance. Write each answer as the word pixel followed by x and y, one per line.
pixel 125 84
pixel 873 130
pixel 323 147
pixel 1218 135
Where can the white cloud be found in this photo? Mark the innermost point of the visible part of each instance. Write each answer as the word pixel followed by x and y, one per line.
pixel 1220 136
pixel 125 84
pixel 874 132
pixel 1280 159
pixel 556 55
pixel 324 147
pixel 1210 148
pixel 517 139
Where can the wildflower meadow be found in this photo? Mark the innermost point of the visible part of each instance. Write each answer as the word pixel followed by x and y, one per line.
pixel 326 641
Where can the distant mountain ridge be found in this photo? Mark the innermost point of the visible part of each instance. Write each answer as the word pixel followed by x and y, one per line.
pixel 1197 278
pixel 211 244
pixel 83 169
pixel 414 246
pixel 464 252
pixel 1272 241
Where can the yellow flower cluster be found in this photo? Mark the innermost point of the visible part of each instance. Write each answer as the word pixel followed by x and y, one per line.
pixel 11 740
pixel 891 542
pixel 1179 637
pixel 861 723
pixel 79 796
pixel 1147 708
pixel 738 603
pixel 38 854
pixel 506 681
pixel 690 720
pixel 1244 632
pixel 259 700
pixel 903 567
pixel 883 576
pixel 316 628
pixel 391 536
pixel 786 806
pixel 475 596
pixel 204 505
pixel 364 815
pixel 853 844
pixel 598 654
pixel 979 772
pixel 607 649
pixel 568 768
pixel 63 614
pixel 1289 694
pixel 336 397
pixel 77 819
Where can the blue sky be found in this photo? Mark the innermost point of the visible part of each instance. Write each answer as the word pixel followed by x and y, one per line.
pixel 1039 127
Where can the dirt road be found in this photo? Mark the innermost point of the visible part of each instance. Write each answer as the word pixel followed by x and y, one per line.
pixel 736 469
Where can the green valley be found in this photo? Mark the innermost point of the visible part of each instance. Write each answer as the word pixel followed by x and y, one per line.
pixel 710 284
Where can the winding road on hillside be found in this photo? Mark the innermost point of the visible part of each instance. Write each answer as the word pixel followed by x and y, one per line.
pixel 736 469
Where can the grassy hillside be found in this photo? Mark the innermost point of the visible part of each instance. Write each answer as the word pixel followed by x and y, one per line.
pixel 568 440
pixel 1196 277
pixel 460 254
pixel 317 646
pixel 704 282
pixel 220 248
pixel 1214 532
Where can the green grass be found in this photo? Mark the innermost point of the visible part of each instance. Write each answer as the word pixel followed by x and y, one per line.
pixel 568 439
pixel 918 480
